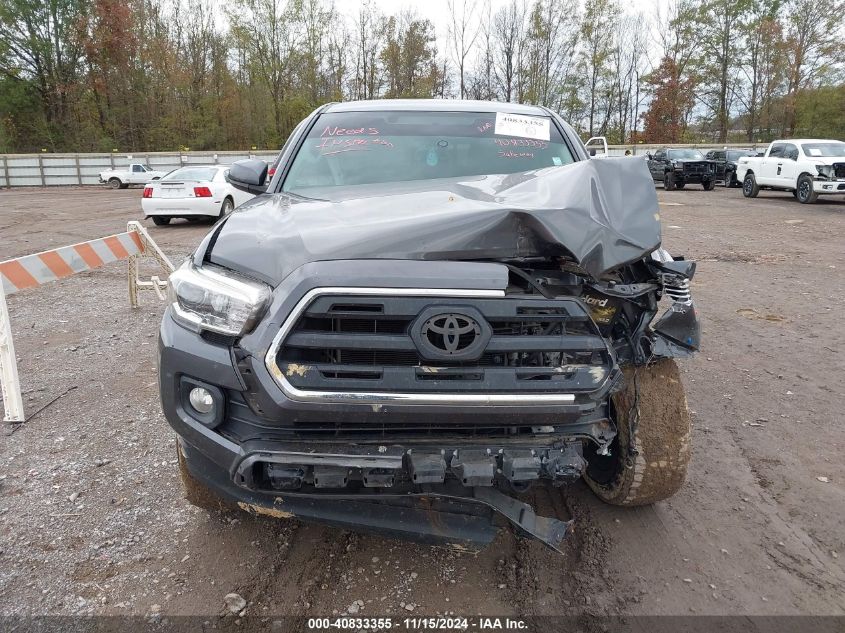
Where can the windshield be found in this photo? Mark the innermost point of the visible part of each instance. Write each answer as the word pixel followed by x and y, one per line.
pixel 193 174
pixel 830 150
pixel 361 148
pixel 737 153
pixel 685 154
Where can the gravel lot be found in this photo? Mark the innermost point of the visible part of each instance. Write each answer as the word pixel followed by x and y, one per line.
pixel 92 519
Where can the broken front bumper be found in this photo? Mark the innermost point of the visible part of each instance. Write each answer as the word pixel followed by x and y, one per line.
pixel 463 516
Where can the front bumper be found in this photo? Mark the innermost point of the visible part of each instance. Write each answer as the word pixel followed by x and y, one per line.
pixel 829 186
pixel 694 178
pixel 466 518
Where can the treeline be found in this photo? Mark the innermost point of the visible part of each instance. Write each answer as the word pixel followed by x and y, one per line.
pixel 134 75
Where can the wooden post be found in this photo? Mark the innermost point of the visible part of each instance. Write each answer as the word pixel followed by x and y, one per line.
pixel 78 170
pixel 6 172
pixel 41 170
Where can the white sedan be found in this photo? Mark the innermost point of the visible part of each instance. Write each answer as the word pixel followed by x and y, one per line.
pixel 196 192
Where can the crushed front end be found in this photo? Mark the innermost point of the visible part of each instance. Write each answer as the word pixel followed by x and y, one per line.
pixel 419 398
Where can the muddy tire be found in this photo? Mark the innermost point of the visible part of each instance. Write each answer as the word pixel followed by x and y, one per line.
pixel 655 395
pixel 196 492
pixel 669 181
pixel 115 183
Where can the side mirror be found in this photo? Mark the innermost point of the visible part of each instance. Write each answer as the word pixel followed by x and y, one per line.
pixel 248 175
pixel 649 156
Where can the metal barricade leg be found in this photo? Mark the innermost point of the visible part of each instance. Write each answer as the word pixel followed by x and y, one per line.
pixel 12 400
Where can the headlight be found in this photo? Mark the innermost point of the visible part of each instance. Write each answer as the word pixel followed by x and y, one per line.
pixel 215 299
pixel 825 170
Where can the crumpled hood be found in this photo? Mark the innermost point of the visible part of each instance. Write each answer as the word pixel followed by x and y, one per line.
pixel 603 213
pixel 826 160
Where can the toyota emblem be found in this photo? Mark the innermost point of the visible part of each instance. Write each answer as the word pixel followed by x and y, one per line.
pixel 451 333
pixel 457 335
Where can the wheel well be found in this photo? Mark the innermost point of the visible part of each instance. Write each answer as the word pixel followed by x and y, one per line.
pixel 749 171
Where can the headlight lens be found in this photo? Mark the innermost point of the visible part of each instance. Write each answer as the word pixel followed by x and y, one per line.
pixel 215 299
pixel 825 170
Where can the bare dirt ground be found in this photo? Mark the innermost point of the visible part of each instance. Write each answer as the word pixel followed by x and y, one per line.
pixel 92 519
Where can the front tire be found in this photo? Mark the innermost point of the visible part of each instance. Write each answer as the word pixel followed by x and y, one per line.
pixel 115 183
pixel 160 220
pixel 669 181
pixel 750 188
pixel 804 192
pixel 709 185
pixel 654 399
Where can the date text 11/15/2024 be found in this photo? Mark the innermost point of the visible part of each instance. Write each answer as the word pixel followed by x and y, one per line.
pixel 417 624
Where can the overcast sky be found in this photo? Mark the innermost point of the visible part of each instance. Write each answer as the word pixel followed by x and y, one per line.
pixel 438 12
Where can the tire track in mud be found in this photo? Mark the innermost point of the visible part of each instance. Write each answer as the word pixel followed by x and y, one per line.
pixel 295 570
pixel 547 582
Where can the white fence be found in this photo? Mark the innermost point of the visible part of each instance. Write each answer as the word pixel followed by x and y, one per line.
pixel 39 170
pixel 642 150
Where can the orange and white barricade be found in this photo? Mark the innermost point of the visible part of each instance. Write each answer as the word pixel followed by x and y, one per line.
pixel 31 271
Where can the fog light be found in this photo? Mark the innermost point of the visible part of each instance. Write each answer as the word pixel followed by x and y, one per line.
pixel 201 400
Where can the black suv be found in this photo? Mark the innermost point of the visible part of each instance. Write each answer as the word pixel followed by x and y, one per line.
pixel 432 307
pixel 676 168
pixel 726 161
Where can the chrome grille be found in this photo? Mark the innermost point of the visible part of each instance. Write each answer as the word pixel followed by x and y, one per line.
pixel 364 343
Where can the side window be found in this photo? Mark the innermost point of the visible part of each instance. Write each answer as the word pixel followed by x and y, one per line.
pixel 790 152
pixel 136 169
pixel 720 156
pixel 660 155
pixel 777 150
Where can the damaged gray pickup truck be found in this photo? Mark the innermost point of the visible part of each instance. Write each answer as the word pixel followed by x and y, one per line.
pixel 431 308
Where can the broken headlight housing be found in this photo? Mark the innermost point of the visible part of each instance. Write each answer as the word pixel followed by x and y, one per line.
pixel 825 171
pixel 215 299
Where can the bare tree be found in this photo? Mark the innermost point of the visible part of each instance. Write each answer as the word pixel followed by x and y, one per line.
pixel 626 60
pixel 597 31
pixel 508 30
pixel 463 32
pixel 370 27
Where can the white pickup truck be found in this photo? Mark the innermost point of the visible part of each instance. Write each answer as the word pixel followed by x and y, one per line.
pixel 806 167
pixel 134 174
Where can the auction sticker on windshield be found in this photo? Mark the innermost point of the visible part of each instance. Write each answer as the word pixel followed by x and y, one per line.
pixel 523 126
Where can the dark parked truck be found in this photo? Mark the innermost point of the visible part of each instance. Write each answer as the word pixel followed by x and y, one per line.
pixel 676 168
pixel 431 308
